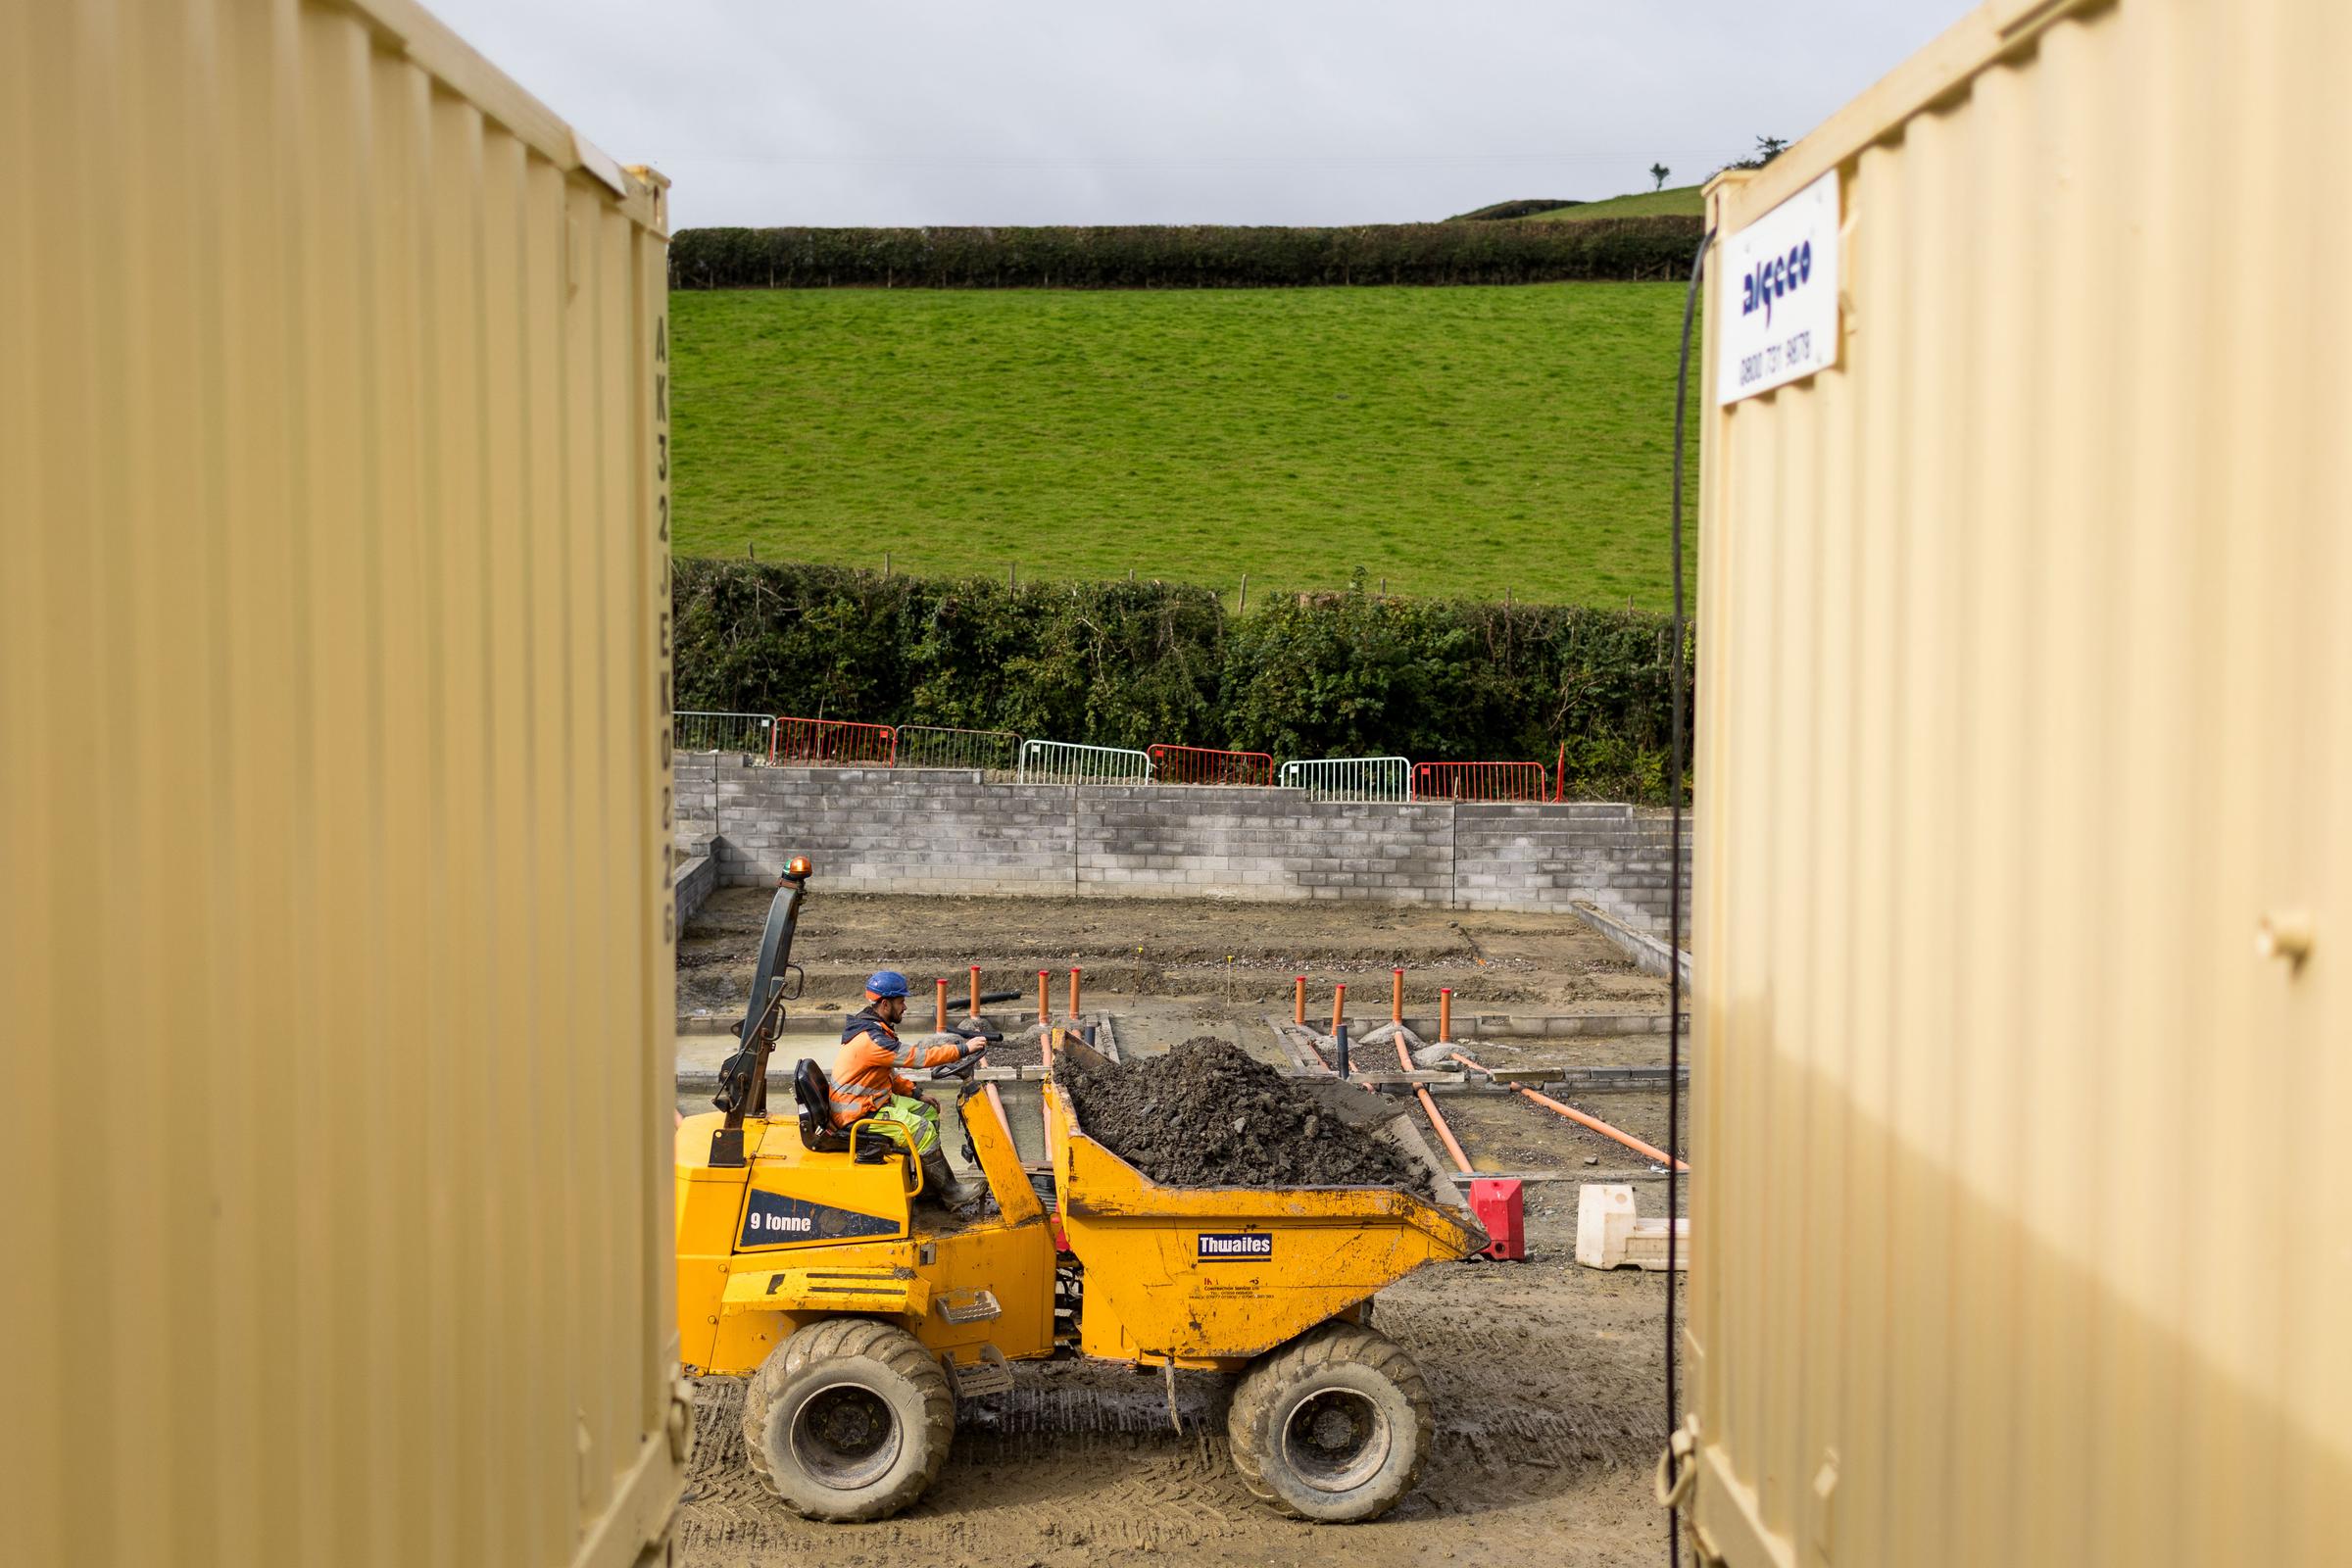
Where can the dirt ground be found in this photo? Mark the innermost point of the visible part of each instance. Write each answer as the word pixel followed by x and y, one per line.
pixel 1548 1377
pixel 1141 948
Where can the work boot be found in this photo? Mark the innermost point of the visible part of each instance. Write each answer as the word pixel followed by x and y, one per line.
pixel 941 1186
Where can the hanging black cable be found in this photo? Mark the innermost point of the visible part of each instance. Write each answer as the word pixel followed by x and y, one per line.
pixel 1673 884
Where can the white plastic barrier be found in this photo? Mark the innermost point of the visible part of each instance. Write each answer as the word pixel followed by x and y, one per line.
pixel 1067 762
pixel 720 732
pixel 1351 778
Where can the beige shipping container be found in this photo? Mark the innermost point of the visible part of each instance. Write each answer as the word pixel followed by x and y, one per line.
pixel 333 689
pixel 2022 1122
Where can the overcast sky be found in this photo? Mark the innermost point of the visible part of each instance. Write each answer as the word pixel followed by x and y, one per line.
pixel 1180 111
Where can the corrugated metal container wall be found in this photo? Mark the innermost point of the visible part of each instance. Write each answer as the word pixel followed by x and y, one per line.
pixel 332 671
pixel 2022 1178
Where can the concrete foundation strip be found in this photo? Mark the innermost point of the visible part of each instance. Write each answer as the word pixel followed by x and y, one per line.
pixel 1650 954
pixel 1302 1055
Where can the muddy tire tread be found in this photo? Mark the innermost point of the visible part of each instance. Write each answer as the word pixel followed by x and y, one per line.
pixel 1249 1421
pixel 852 1337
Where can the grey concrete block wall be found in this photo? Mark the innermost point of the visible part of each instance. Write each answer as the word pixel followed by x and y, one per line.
pixel 948 831
pixel 1525 857
pixel 692 884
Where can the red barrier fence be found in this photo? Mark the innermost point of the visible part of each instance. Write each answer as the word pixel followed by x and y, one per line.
pixel 1477 781
pixel 1198 765
pixel 831 742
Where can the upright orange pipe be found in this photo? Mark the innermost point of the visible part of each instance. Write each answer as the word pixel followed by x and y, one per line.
pixel 1041 997
pixel 1074 992
pixel 1339 1000
pixel 1396 995
pixel 940 1026
pixel 1582 1120
pixel 1445 1015
pixel 975 990
pixel 1298 1001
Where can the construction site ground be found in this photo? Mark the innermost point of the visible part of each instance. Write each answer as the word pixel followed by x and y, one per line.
pixel 1547 1376
pixel 1133 949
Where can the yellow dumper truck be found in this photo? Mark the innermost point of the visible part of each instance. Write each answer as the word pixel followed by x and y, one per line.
pixel 805 1266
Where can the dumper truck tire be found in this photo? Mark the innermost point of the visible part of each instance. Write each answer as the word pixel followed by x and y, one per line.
pixel 848 1420
pixel 1331 1426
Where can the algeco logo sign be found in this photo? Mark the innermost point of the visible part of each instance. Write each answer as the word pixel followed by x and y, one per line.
pixel 1776 315
pixel 1775 277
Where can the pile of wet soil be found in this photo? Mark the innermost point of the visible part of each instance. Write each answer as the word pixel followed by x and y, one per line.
pixel 1206 1114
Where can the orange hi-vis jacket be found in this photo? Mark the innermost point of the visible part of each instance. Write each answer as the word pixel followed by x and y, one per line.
pixel 871 1068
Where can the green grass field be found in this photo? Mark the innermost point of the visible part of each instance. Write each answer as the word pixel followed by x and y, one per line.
pixel 1454 441
pixel 1675 201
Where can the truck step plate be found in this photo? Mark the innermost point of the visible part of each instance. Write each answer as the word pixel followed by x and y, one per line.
pixel 968 1307
pixel 993 1375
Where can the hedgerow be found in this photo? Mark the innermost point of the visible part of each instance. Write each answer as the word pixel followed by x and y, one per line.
pixel 1525 207
pixel 1199 256
pixel 1123 664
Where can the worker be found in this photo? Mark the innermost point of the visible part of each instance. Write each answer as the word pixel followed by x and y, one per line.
pixel 870 1082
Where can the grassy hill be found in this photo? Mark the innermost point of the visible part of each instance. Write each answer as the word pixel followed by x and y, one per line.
pixel 1450 440
pixel 1676 201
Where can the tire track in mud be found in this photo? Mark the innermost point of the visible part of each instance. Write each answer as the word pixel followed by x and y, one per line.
pixel 1079 1460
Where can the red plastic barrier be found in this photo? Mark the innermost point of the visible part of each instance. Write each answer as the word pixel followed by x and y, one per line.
pixel 1497 1202
pixel 1477 781
pixel 831 743
pixel 1197 764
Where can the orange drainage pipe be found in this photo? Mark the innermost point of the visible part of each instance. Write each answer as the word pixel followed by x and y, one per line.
pixel 1582 1120
pixel 1338 1001
pixel 1042 1018
pixel 1074 992
pixel 940 1021
pixel 1446 1015
pixel 1396 995
pixel 976 1012
pixel 1298 1001
pixel 1428 1108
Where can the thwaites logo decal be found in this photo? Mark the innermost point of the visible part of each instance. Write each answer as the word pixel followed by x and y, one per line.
pixel 771 1219
pixel 1234 1246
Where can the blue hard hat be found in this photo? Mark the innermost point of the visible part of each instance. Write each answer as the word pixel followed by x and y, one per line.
pixel 886 983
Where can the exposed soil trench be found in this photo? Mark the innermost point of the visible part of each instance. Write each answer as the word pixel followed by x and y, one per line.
pixel 1164 948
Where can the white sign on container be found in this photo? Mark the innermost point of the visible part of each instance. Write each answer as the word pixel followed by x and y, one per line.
pixel 1778 308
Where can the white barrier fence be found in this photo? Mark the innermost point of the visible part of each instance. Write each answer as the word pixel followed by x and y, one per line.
pixel 1067 762
pixel 720 732
pixel 1001 755
pixel 1351 778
